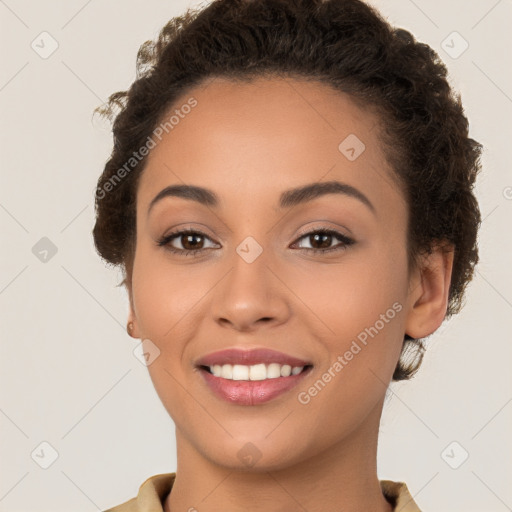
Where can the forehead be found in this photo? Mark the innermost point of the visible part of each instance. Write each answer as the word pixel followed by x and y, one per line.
pixel 259 138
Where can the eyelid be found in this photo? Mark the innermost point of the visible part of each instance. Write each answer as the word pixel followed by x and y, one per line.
pixel 344 241
pixel 183 229
pixel 325 227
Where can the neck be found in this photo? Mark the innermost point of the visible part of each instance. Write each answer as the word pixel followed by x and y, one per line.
pixel 342 477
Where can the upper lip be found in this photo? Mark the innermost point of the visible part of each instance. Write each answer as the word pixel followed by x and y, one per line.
pixel 250 357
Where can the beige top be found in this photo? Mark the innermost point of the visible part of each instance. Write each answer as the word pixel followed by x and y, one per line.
pixel 154 490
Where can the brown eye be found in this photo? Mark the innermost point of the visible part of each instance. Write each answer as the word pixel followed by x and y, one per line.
pixel 321 241
pixel 192 242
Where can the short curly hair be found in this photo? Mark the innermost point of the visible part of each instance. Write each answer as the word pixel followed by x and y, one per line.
pixel 345 44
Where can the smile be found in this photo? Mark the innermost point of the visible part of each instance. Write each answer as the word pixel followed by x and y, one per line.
pixel 254 372
pixel 238 389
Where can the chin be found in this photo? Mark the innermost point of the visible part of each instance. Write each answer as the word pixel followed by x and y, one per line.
pixel 254 454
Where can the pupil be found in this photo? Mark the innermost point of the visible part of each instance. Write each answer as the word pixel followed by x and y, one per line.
pixel 188 237
pixel 323 235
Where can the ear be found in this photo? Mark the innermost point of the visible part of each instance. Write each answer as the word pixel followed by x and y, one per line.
pixel 132 317
pixel 428 296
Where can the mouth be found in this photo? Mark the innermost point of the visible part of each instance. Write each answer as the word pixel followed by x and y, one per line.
pixel 253 376
pixel 252 385
pixel 256 372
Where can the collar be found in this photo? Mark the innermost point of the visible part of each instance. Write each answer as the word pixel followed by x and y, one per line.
pixel 155 489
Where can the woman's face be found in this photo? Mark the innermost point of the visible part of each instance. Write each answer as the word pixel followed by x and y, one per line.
pixel 259 278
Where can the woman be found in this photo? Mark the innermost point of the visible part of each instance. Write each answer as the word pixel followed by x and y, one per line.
pixel 290 198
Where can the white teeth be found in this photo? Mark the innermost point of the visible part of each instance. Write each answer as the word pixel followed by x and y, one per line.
pixel 227 371
pixel 254 372
pixel 286 370
pixel 240 372
pixel 257 372
pixel 273 371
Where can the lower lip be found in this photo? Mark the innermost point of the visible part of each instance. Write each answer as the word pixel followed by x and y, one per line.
pixel 251 392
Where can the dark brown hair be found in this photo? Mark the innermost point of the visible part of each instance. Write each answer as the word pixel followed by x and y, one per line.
pixel 341 43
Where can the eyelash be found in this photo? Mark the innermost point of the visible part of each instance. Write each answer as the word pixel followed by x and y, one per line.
pixel 165 241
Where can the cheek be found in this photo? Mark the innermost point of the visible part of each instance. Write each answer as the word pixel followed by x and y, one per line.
pixel 358 306
pixel 164 295
pixel 164 299
pixel 348 296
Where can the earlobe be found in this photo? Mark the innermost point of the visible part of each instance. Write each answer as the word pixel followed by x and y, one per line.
pixel 132 326
pixel 429 298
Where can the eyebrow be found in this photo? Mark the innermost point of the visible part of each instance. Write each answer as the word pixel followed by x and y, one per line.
pixel 287 199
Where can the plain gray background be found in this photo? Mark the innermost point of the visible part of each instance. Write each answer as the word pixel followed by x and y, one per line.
pixel 69 377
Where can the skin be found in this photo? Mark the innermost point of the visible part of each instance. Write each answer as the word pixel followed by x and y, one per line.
pixel 248 143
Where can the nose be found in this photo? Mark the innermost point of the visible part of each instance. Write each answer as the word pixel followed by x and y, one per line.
pixel 251 295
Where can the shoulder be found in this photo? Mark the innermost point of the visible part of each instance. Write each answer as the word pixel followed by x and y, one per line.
pixel 399 496
pixel 151 495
